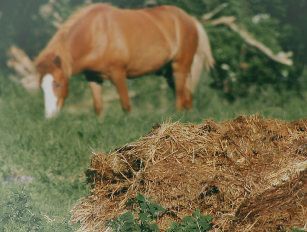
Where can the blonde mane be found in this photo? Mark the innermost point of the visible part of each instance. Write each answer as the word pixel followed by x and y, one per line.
pixel 57 44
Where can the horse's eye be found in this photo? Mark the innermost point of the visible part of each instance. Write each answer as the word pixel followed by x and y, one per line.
pixel 56 84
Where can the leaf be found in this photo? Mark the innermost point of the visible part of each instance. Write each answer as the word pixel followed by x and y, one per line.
pixel 195 223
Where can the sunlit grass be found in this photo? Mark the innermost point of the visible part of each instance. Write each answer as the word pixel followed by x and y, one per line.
pixel 52 155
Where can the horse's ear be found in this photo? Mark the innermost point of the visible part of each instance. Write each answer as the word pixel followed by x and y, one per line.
pixel 41 67
pixel 47 62
pixel 57 61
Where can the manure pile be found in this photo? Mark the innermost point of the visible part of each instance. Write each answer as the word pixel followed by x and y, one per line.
pixel 250 174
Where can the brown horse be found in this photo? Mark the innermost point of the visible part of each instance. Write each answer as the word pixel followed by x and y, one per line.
pixel 105 42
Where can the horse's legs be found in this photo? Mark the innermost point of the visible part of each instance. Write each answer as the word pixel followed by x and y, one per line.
pixel 183 95
pixel 95 81
pixel 188 97
pixel 97 99
pixel 118 78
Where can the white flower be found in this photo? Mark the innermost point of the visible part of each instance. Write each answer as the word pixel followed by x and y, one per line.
pixel 285 73
pixel 225 67
pixel 260 17
pixel 46 10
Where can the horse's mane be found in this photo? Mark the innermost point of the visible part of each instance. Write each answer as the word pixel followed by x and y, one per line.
pixel 57 43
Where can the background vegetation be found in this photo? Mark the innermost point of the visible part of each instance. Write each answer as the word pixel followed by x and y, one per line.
pixel 42 162
pixel 240 69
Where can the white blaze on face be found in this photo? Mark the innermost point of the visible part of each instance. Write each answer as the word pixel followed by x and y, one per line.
pixel 51 108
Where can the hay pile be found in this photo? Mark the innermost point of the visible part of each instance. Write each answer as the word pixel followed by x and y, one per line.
pixel 250 174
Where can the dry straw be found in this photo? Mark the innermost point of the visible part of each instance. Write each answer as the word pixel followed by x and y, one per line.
pixel 250 174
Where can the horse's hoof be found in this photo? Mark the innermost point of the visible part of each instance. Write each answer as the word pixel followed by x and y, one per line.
pixel 179 108
pixel 127 109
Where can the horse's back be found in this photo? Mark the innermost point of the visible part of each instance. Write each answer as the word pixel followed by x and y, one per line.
pixel 187 31
pixel 102 36
pixel 186 34
pixel 155 36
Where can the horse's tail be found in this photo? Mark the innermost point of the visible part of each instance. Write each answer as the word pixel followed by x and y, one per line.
pixel 202 58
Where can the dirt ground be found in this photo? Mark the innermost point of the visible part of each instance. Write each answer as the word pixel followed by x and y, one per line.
pixel 250 174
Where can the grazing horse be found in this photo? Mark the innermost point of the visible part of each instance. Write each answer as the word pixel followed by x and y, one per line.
pixel 105 42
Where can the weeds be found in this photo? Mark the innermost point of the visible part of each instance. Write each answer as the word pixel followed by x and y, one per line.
pixel 144 214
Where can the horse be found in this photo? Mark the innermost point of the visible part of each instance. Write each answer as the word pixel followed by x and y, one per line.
pixel 108 43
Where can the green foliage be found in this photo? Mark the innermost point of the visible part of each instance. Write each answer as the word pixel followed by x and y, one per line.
pixel 195 7
pixel 125 222
pixel 125 3
pixel 297 230
pixel 147 213
pixel 196 222
pixel 242 70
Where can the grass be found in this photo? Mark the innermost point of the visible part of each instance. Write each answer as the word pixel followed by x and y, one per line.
pixel 42 162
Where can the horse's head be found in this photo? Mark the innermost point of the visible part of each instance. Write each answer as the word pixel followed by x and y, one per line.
pixel 54 83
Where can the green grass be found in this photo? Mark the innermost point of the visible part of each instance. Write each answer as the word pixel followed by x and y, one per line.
pixel 55 153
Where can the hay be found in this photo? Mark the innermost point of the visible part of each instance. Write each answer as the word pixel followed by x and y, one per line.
pixel 250 174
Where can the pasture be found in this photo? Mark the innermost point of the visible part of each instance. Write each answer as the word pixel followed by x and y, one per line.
pixel 42 162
